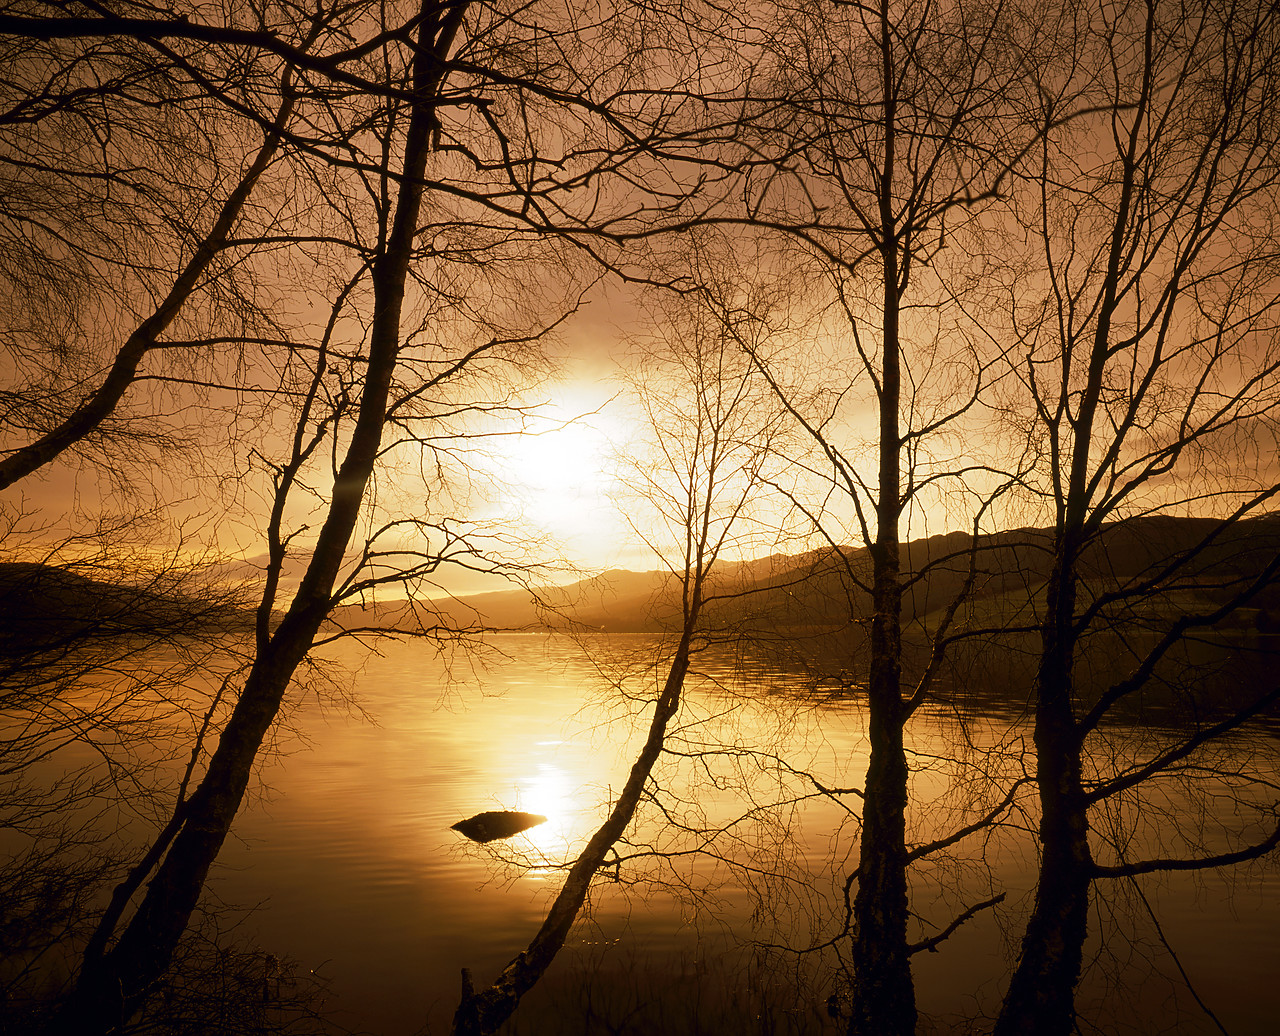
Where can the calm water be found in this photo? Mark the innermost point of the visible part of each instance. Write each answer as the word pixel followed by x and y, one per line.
pixel 350 854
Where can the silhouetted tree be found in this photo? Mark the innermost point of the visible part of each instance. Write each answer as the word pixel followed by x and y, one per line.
pixel 894 125
pixel 443 160
pixel 141 201
pixel 711 431
pixel 113 984
pixel 1143 297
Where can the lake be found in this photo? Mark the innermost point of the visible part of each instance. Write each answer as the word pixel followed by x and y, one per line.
pixel 348 852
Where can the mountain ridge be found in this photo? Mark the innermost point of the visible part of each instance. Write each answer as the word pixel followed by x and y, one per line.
pixel 821 588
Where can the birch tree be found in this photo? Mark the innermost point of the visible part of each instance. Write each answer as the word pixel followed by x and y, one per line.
pixel 711 426
pixel 432 168
pixel 896 126
pixel 1144 321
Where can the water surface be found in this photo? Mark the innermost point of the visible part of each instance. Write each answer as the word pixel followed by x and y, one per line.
pixel 350 854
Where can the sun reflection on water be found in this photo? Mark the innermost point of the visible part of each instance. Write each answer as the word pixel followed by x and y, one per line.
pixel 550 792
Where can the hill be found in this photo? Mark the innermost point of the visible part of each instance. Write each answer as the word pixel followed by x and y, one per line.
pixel 42 607
pixel 828 588
pixel 45 608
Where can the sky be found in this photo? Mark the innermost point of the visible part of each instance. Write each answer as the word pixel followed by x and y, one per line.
pixel 566 478
pixel 565 491
pixel 561 483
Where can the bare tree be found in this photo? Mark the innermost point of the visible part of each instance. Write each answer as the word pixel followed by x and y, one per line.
pixel 894 125
pixel 435 168
pixel 710 446
pixel 113 984
pixel 111 663
pixel 1143 307
pixel 136 227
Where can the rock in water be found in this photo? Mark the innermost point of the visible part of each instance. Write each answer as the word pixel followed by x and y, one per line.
pixel 498 823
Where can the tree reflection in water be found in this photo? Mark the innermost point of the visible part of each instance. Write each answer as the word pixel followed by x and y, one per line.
pixel 356 859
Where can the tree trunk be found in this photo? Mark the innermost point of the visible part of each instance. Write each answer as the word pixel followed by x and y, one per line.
pixel 480 1014
pixel 884 1002
pixel 113 987
pixel 1041 996
pixel 883 995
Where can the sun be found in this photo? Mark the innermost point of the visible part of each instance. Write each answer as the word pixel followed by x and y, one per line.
pixel 563 465
pixel 563 476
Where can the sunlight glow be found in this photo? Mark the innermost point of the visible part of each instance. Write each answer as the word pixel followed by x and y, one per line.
pixel 562 466
pixel 562 476
pixel 550 793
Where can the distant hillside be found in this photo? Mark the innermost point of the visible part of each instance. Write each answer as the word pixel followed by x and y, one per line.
pixel 48 608
pixel 617 600
pixel 827 589
pixel 42 607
